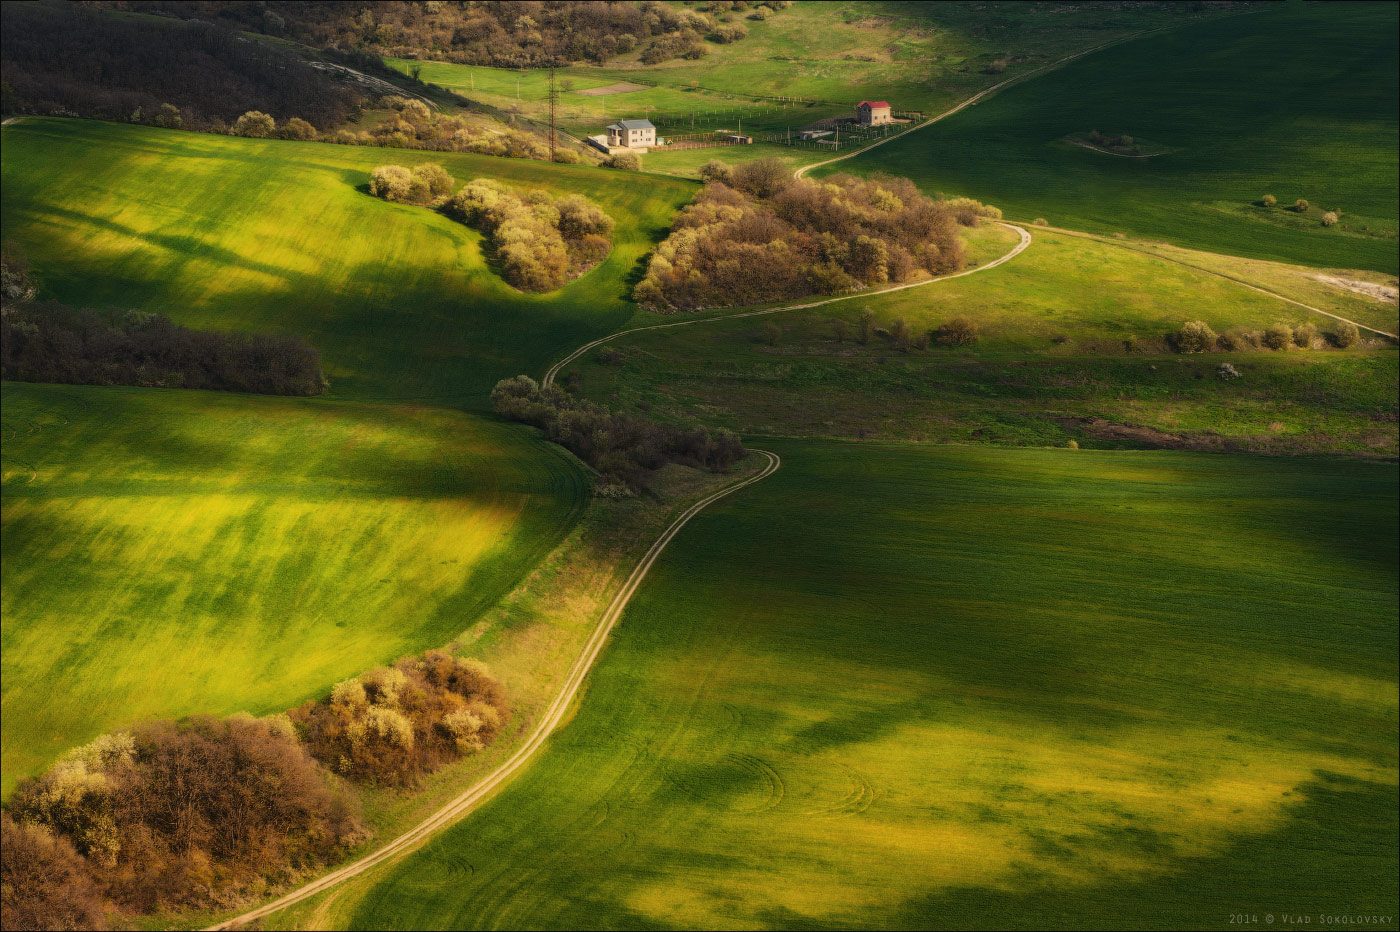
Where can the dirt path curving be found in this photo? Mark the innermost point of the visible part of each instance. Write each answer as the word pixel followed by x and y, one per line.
pixel 1016 250
pixel 985 93
pixel 479 791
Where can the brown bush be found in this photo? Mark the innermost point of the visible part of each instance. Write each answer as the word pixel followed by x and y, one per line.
pixel 541 243
pixel 191 813
pixel 1303 335
pixel 960 331
pixel 397 723
pixel 625 449
pixel 1346 334
pixel 44 882
pixel 1278 337
pixel 768 238
pixel 624 161
pixel 1195 336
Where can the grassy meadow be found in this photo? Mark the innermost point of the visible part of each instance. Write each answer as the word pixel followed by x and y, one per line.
pixel 805 63
pixel 277 236
pixel 177 552
pixel 1311 113
pixel 967 688
pixel 1052 361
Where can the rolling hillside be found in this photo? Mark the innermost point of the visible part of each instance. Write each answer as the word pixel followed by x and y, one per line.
pixel 228 233
pixel 176 552
pixel 967 689
pixel 1310 113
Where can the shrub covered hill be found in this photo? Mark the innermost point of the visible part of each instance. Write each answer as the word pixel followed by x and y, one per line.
pixel 69 60
pixel 508 35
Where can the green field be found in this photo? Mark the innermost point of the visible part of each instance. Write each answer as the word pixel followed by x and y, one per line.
pixel 1054 323
pixel 1310 112
pixel 172 552
pixel 810 61
pixel 281 236
pixel 969 688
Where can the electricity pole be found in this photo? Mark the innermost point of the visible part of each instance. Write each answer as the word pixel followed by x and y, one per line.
pixel 553 98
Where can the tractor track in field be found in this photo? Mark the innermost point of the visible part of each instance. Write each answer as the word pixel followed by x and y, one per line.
pixel 1020 247
pixel 479 791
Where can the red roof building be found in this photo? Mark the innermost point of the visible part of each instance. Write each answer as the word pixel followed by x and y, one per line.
pixel 873 112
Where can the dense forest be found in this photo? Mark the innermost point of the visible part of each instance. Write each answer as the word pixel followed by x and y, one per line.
pixel 502 34
pixel 69 60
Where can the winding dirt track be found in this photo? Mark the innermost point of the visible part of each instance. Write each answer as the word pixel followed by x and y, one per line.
pixel 553 716
pixel 981 94
pixel 1016 250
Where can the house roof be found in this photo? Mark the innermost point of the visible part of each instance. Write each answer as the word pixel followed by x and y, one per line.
pixel 632 124
pixel 872 104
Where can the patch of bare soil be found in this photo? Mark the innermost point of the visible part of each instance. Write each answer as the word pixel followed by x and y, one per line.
pixel 621 87
pixel 1385 293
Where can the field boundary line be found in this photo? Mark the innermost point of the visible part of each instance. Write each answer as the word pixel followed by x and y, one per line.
pixel 1225 275
pixel 1016 250
pixel 553 716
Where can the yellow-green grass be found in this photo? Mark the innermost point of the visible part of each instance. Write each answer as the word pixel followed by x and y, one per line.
pixel 269 235
pixel 1052 358
pixel 169 553
pixel 897 687
pixel 1293 124
pixel 811 61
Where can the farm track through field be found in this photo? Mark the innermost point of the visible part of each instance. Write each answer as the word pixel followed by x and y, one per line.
pixel 985 93
pixel 1228 277
pixel 474 795
pixel 1019 248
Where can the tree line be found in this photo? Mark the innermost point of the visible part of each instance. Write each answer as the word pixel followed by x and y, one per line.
pixel 755 235
pixel 51 342
pixel 499 34
pixel 624 450
pixel 204 813
pixel 65 59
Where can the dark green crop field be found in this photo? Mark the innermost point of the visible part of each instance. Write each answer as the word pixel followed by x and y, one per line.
pixel 966 688
pixel 261 235
pixel 1296 100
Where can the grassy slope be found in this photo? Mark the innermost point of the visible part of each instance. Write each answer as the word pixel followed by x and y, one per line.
pixel 919 56
pixel 1018 385
pixel 1310 113
pixel 271 235
pixel 970 688
pixel 273 546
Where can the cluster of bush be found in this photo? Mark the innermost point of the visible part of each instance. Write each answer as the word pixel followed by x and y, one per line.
pixel 50 342
pixel 1301 206
pixel 396 723
pixel 755 235
pixel 541 242
pixel 418 127
pixel 959 331
pixel 188 814
pixel 70 60
pixel 1197 336
pixel 423 184
pixel 504 35
pixel 623 449
pixel 202 813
